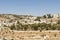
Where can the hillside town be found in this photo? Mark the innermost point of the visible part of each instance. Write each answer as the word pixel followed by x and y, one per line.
pixel 24 27
pixel 8 20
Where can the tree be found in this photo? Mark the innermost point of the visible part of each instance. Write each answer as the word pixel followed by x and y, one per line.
pixel 35 26
pixel 58 22
pixel 44 16
pixel 13 27
pixel 57 26
pixel 25 27
pixel 37 19
pixel 49 16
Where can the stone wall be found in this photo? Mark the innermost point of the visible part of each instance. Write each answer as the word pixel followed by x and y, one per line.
pixel 28 35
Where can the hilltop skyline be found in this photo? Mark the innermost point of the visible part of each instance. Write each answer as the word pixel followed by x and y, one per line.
pixel 30 7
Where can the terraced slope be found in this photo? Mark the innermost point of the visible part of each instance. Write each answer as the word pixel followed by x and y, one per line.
pixel 29 35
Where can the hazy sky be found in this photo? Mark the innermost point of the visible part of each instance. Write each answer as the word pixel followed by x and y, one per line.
pixel 30 7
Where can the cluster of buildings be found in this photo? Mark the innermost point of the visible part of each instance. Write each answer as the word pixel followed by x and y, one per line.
pixel 28 20
pixel 31 20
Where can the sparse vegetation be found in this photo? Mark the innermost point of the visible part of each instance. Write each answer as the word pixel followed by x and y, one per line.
pixel 37 19
pixel 33 26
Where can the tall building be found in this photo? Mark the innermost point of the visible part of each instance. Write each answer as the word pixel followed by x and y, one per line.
pixel 55 15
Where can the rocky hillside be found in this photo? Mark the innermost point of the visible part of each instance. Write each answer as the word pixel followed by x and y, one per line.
pixel 28 22
pixel 6 34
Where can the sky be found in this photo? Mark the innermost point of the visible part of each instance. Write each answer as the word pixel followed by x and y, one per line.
pixel 30 7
